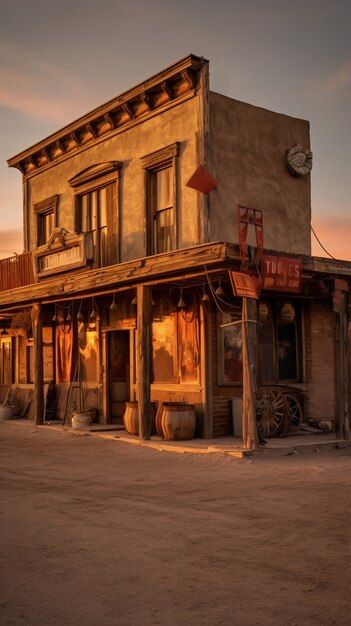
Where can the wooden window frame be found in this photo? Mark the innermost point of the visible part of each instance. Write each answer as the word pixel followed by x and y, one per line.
pixel 151 163
pixel 93 179
pixel 43 208
pixel 9 340
pixel 177 381
pixel 29 346
pixel 274 308
pixel 220 352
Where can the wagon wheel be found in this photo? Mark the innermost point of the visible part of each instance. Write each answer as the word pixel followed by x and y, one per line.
pixel 271 414
pixel 293 412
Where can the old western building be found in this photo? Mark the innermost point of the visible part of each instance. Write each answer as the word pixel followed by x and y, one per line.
pixel 152 226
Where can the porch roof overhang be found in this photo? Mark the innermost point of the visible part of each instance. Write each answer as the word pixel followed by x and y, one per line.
pixel 148 270
pixel 171 266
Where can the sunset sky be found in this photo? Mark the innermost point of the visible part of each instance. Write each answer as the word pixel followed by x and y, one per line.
pixel 61 59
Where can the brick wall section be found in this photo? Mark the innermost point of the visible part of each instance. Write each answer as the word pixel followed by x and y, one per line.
pixel 319 360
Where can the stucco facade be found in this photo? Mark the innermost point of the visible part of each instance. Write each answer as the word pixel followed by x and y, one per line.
pixel 178 124
pixel 248 148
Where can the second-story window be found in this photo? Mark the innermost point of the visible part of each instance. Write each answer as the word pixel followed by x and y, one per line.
pixel 162 209
pixel 161 199
pixel 92 211
pixel 46 212
pixel 96 190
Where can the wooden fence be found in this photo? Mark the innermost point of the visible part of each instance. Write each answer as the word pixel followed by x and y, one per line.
pixel 16 271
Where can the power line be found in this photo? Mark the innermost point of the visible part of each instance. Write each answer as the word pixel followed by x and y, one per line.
pixel 321 245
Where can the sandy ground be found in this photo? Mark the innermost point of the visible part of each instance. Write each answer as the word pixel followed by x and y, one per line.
pixel 100 532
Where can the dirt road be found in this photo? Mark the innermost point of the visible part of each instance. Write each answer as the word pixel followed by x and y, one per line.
pixel 99 532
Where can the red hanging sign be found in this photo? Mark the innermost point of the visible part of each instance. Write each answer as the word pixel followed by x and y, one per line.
pixel 243 285
pixel 247 217
pixel 281 273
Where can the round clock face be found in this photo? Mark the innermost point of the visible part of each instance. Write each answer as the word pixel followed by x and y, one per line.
pixel 299 160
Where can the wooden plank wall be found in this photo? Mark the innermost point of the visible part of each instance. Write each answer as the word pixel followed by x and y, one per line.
pixel 16 271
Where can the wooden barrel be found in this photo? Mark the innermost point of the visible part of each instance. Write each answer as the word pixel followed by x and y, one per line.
pixel 131 418
pixel 178 421
pixel 7 411
pixel 82 420
pixel 158 419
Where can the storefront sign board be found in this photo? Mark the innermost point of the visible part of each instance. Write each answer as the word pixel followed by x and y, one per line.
pixel 281 273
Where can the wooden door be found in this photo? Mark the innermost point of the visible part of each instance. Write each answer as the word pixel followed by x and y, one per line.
pixel 119 373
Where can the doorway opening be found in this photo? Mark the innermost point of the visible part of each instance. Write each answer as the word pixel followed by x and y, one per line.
pixel 119 374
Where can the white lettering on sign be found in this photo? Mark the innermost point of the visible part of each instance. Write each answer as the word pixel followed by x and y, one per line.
pixel 282 273
pixel 60 259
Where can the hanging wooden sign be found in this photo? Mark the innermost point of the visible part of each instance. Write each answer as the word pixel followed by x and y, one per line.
pixel 64 251
pixel 281 273
pixel 243 285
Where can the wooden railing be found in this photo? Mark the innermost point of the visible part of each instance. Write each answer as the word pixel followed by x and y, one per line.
pixel 16 271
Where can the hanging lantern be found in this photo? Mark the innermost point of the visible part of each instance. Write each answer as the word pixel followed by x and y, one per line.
pixel 263 311
pixel 80 316
pixel 114 306
pixel 134 301
pixel 205 297
pixel 91 325
pixel 55 318
pixel 92 315
pixel 69 317
pixel 219 291
pixel 287 312
pixel 181 304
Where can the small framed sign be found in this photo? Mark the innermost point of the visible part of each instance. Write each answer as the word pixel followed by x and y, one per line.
pixel 243 285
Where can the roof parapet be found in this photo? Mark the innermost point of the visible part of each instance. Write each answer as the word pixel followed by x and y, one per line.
pixel 163 90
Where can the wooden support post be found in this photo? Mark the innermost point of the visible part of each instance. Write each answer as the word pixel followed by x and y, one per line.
pixel 143 355
pixel 39 402
pixel 206 370
pixel 250 386
pixel 105 379
pixel 342 374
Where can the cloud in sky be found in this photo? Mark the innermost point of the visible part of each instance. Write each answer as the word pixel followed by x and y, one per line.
pixel 336 81
pixel 39 89
pixel 10 241
pixel 334 231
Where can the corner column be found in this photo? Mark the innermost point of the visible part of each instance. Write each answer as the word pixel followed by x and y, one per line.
pixel 143 355
pixel 39 404
pixel 250 385
pixel 342 350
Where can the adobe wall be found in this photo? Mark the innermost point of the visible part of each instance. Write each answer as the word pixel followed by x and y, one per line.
pixel 176 124
pixel 248 148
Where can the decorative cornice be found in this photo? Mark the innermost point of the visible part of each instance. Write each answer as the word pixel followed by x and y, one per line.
pixel 160 156
pixel 166 89
pixel 170 86
pixel 49 204
pixel 145 97
pixel 95 171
